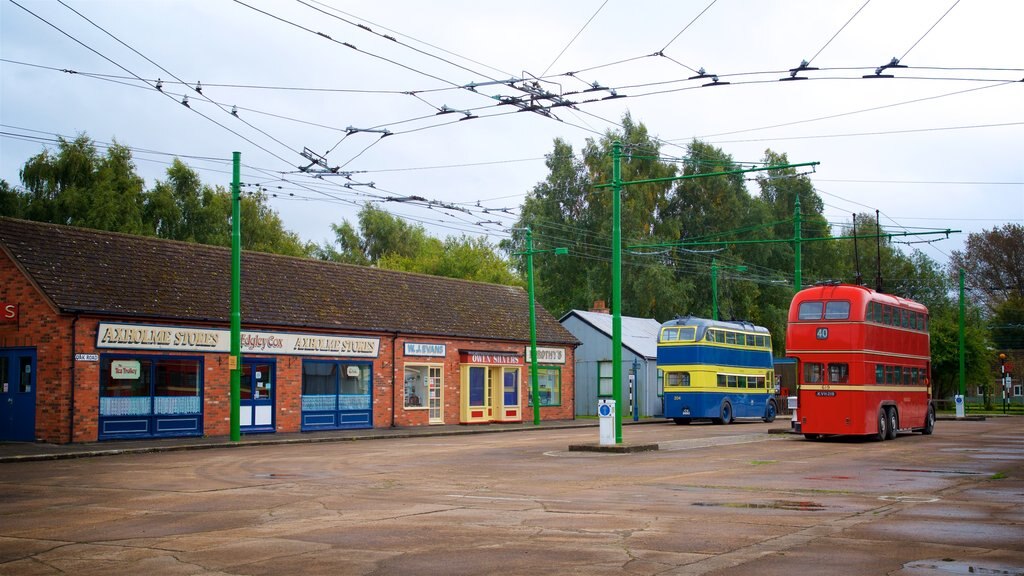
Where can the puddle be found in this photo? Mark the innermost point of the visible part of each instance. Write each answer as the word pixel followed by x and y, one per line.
pixel 911 499
pixel 963 472
pixel 950 566
pixel 801 506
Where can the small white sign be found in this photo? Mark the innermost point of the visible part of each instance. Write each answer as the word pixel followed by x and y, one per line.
pixel 87 357
pixel 125 369
pixel 352 371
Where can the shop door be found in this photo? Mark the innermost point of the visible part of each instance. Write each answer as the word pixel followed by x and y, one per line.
pixel 256 403
pixel 18 395
pixel 435 403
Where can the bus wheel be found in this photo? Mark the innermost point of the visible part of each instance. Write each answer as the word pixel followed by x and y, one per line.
pixel 929 421
pixel 894 422
pixel 681 421
pixel 726 413
pixel 883 425
pixel 769 414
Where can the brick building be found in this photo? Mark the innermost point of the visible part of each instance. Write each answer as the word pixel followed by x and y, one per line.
pixel 107 336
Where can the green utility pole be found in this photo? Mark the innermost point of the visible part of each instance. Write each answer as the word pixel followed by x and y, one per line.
pixel 235 360
pixel 534 378
pixel 798 273
pixel 963 345
pixel 714 284
pixel 617 289
pixel 534 375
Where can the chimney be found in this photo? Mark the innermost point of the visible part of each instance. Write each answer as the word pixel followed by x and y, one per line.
pixel 600 308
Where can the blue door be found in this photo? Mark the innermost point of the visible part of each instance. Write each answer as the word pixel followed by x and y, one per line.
pixel 18 395
pixel 257 397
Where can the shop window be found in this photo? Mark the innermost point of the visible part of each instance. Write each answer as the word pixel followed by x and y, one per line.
pixel 145 386
pixel 417 382
pixel 549 384
pixel 813 372
pixel 477 386
pixel 604 379
pixel 511 387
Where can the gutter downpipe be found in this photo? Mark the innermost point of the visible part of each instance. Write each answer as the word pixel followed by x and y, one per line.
pixel 394 374
pixel 74 349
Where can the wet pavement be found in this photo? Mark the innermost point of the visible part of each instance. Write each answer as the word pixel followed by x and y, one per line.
pixel 739 499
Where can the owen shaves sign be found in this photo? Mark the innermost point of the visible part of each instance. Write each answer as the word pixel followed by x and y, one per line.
pixel 180 339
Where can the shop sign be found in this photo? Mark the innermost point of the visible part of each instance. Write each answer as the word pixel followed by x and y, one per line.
pixel 8 314
pixel 547 355
pixel 187 339
pixel 497 358
pixel 424 349
pixel 125 369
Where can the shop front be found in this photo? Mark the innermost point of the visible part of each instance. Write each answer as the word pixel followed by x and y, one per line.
pixel 17 394
pixel 423 379
pixel 491 387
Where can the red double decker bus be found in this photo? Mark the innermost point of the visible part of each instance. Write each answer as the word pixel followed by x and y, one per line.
pixel 863 362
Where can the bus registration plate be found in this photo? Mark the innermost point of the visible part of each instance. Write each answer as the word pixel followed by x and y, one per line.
pixel 826 393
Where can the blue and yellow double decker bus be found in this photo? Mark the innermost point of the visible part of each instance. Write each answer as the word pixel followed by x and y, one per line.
pixel 716 370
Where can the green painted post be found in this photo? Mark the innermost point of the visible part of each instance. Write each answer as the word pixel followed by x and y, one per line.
pixel 798 280
pixel 617 289
pixel 534 378
pixel 963 345
pixel 235 360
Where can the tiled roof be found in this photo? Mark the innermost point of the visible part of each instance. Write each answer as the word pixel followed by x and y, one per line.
pixel 98 272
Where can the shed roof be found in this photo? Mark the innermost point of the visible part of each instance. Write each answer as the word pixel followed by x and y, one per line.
pixel 638 334
pixel 90 271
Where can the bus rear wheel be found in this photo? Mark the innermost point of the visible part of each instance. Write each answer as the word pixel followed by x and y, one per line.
pixel 883 425
pixel 769 412
pixel 725 414
pixel 894 422
pixel 812 436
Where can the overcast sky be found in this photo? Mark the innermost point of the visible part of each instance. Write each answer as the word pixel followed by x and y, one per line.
pixel 940 145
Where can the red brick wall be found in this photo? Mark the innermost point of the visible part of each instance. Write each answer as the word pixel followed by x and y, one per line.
pixel 40 327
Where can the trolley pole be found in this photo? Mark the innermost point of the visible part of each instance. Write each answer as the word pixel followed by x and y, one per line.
pixel 235 359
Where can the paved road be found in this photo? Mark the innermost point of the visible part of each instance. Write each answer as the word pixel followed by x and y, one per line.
pixel 712 500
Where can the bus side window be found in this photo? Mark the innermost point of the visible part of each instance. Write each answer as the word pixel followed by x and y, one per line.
pixel 813 372
pixel 730 337
pixel 751 341
pixel 879 373
pixel 886 315
pixel 709 335
pixel 719 336
pixel 838 373
pixel 721 380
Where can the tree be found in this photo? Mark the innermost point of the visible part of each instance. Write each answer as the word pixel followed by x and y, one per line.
pixel 79 187
pixel 568 210
pixel 457 257
pixel 12 203
pixel 386 241
pixel 994 265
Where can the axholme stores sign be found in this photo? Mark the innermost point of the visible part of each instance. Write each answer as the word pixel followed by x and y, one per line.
pixel 188 339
